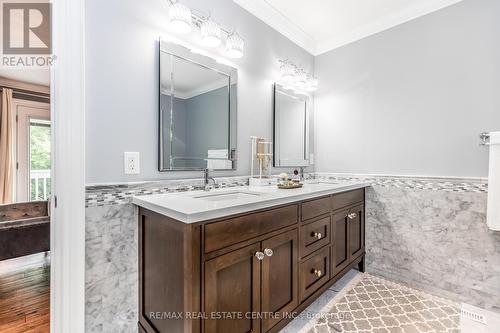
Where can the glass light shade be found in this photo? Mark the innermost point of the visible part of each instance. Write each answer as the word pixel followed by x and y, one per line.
pixel 180 18
pixel 288 71
pixel 234 46
pixel 301 78
pixel 210 34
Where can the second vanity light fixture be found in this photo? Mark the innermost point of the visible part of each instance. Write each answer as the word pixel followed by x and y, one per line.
pixel 182 20
pixel 297 78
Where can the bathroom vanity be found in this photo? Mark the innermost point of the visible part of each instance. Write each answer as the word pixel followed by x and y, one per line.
pixel 243 259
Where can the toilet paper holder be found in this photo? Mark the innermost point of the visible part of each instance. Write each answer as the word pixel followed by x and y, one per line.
pixel 485 139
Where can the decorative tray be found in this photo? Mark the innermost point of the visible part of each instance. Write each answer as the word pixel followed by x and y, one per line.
pixel 290 186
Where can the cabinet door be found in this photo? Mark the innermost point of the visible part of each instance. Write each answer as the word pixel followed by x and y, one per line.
pixel 340 242
pixel 279 277
pixel 356 218
pixel 232 286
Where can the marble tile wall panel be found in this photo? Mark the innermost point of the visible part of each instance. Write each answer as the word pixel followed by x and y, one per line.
pixel 437 241
pixel 111 269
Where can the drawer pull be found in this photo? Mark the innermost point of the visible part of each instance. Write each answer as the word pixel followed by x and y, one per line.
pixel 317 235
pixel 259 255
pixel 317 272
pixel 352 216
pixel 268 252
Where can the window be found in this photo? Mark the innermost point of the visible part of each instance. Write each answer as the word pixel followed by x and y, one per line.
pixel 39 159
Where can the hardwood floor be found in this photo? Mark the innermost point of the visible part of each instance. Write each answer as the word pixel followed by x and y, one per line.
pixel 25 294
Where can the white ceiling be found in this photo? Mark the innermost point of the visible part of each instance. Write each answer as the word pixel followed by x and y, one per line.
pixel 28 75
pixel 319 26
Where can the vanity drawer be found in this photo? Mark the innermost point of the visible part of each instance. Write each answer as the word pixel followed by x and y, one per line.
pixel 314 208
pixel 348 198
pixel 314 236
pixel 314 273
pixel 232 231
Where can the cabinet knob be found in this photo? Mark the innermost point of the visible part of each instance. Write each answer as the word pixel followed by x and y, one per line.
pixel 259 255
pixel 317 235
pixel 352 216
pixel 317 272
pixel 268 252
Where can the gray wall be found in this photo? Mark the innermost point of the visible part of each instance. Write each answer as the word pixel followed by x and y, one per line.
pixel 412 100
pixel 122 82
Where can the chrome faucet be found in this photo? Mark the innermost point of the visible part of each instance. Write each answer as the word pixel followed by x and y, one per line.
pixel 207 180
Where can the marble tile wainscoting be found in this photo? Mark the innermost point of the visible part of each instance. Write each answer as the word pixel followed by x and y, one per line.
pixel 431 234
pixel 412 225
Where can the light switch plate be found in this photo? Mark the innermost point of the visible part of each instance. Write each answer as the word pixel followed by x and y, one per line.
pixel 311 159
pixel 132 163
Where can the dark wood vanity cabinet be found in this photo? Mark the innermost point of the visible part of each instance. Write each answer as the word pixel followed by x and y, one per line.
pixel 233 284
pixel 247 273
pixel 259 278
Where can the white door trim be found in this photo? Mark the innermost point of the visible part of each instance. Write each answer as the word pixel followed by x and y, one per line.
pixel 68 168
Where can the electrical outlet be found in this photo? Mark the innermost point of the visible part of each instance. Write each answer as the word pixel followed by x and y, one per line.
pixel 132 164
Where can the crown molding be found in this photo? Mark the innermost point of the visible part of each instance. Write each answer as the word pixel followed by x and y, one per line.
pixel 279 22
pixel 274 18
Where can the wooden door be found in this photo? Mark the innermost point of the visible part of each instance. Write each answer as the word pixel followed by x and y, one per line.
pixel 232 289
pixel 340 242
pixel 356 218
pixel 279 277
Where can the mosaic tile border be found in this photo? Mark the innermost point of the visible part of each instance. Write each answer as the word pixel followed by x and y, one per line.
pixel 463 185
pixel 102 195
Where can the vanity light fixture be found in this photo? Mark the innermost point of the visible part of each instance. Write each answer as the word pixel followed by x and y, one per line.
pixel 296 78
pixel 234 46
pixel 210 33
pixel 180 18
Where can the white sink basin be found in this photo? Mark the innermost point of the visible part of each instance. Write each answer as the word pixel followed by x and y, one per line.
pixel 225 196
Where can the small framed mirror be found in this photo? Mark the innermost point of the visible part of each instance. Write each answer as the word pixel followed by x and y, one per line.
pixel 197 111
pixel 291 128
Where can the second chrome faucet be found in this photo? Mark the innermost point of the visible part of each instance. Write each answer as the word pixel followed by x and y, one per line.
pixel 207 180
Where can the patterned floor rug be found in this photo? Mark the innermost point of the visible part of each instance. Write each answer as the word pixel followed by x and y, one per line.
pixel 380 306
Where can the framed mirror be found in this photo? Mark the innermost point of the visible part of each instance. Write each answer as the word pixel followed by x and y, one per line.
pixel 197 111
pixel 291 128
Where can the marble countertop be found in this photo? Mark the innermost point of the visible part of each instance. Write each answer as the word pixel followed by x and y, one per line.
pixel 197 206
